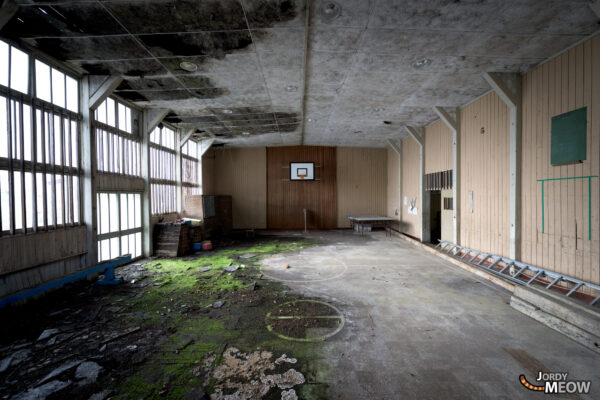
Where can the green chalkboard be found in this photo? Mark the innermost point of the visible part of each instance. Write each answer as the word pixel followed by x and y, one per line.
pixel 568 137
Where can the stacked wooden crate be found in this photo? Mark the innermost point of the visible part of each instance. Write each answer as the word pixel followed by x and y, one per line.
pixel 172 239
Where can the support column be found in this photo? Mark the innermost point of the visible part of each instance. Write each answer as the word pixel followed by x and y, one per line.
pixel 178 173
pixel 508 87
pixel 150 120
pixel 397 147
pixel 418 135
pixel 87 147
pixel 453 124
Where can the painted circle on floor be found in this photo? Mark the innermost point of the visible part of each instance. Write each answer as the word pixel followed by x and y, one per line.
pixel 305 321
pixel 300 271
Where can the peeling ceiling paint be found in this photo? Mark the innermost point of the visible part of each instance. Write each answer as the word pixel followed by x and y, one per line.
pixel 360 66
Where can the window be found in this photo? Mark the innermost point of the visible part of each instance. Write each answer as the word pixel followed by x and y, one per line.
pixel 119 225
pixel 190 169
pixel 118 149
pixel 163 184
pixel 39 145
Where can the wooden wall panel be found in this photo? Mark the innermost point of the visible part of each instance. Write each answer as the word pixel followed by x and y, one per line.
pixel 438 142
pixel 411 224
pixel 485 172
pixel 286 199
pixel 393 181
pixel 361 182
pixel 242 174
pixel 556 237
pixel 33 250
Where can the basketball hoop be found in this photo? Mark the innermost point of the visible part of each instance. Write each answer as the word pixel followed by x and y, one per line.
pixel 301 176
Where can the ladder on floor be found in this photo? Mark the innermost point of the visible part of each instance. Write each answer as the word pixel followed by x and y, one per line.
pixel 513 270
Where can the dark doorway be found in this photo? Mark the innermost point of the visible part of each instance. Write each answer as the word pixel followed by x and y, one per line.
pixel 435 216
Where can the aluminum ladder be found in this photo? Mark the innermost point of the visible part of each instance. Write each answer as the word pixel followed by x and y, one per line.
pixel 511 269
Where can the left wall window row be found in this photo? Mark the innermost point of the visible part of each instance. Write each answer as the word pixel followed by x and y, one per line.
pixel 39 145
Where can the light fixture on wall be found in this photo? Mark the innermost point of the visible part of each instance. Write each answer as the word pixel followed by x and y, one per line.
pixel 245 133
pixel 379 109
pixel 227 111
pixel 482 130
pixel 291 88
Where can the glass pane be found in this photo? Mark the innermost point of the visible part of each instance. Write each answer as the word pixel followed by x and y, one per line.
pixel 42 81
pixel 122 117
pixel 74 145
pixel 101 112
pixel 3 131
pixel 76 199
pixel 124 245
pixel 40 198
pixel 110 112
pixel 67 199
pixel 19 70
pixel 124 212
pixel 59 200
pixel 58 88
pixel 27 132
pixel 131 240
pixel 103 212
pixel 128 119
pixel 138 211
pixel 28 199
pixel 3 63
pixel 72 94
pixel 18 200
pixel 131 211
pixel 138 244
pixel 57 140
pixel 105 249
pixel 50 198
pixel 4 200
pixel 40 148
pixel 15 129
pixel 67 155
pixel 47 122
pixel 114 248
pixel 114 212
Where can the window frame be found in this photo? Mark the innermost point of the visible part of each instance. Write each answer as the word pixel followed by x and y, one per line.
pixel 70 137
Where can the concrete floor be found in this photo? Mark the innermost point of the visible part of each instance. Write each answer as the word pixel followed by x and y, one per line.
pixel 419 327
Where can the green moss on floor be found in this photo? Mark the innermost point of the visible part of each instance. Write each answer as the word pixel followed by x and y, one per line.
pixel 177 297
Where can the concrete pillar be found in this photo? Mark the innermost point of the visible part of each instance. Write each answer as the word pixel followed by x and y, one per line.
pixel 453 123
pixel 87 144
pixel 508 87
pixel 419 136
pixel 397 147
pixel 150 120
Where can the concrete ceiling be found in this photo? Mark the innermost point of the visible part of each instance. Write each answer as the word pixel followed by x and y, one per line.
pixel 259 70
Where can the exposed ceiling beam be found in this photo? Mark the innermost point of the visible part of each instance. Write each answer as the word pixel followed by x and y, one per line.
pixel 501 89
pixel 186 136
pixel 596 7
pixel 154 116
pixel 416 134
pixel 305 71
pixel 395 146
pixel 7 11
pixel 104 90
pixel 205 145
pixel 447 118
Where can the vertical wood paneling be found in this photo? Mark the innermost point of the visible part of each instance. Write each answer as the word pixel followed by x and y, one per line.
pixel 411 224
pixel 242 174
pixel 286 199
pixel 565 83
pixel 485 172
pixel 438 142
pixel 362 183
pixel 393 180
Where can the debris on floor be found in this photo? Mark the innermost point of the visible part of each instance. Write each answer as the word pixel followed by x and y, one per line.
pixel 157 335
pixel 248 376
